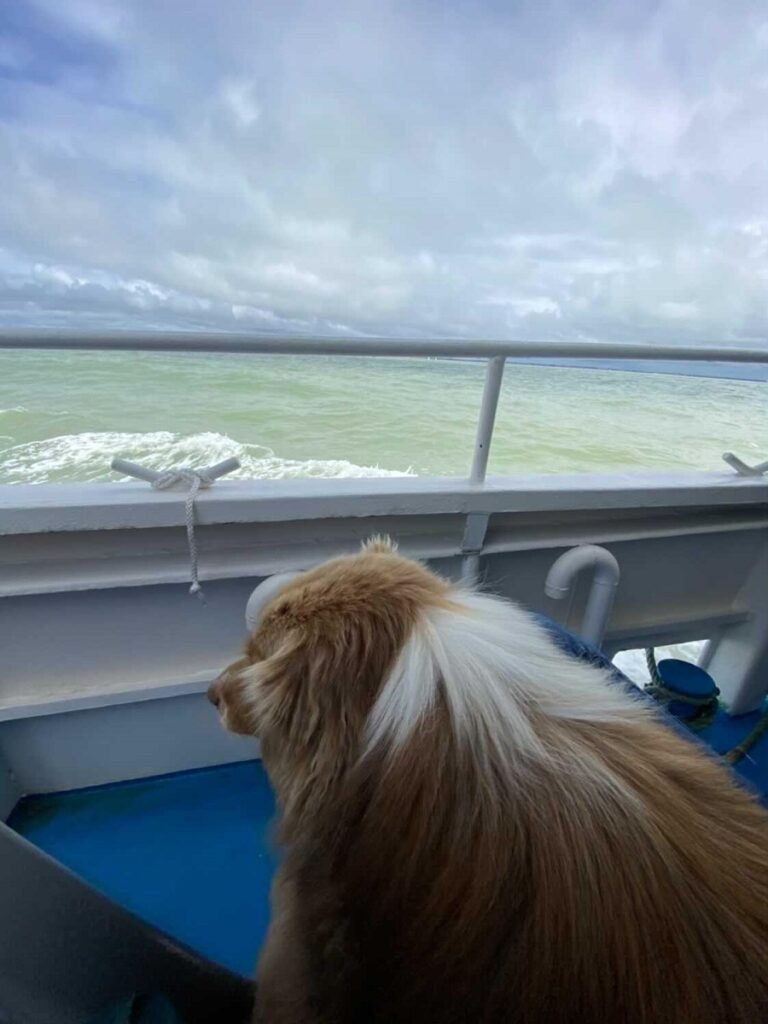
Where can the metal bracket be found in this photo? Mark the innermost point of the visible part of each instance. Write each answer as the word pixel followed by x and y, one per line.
pixel 474 533
pixel 742 468
pixel 472 543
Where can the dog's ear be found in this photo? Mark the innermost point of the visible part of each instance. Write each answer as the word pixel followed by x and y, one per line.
pixel 316 686
pixel 305 699
pixel 380 544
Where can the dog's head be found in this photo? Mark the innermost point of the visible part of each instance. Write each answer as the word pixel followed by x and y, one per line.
pixel 375 653
pixel 321 646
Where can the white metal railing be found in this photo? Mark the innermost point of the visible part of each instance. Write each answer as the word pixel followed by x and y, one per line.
pixel 495 352
pixel 199 341
pixel 739 503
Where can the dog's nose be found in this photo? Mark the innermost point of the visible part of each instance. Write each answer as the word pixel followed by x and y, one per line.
pixel 213 693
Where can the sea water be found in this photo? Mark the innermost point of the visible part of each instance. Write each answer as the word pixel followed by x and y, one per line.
pixel 65 415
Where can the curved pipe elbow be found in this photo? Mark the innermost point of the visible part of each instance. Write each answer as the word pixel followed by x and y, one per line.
pixel 605 580
pixel 567 567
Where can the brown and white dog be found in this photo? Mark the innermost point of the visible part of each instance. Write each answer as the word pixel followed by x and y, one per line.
pixel 478 828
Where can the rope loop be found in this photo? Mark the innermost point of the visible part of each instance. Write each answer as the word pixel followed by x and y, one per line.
pixel 706 707
pixel 195 480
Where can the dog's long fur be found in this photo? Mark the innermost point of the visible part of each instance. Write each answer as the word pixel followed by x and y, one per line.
pixel 478 828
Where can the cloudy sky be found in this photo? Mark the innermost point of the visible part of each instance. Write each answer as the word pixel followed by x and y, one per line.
pixel 544 169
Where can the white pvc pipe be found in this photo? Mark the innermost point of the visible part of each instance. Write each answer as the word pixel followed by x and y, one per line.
pixel 564 571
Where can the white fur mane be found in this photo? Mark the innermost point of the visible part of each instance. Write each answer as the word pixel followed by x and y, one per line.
pixel 492 664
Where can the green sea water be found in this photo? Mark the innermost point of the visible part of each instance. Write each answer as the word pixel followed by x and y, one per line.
pixel 64 415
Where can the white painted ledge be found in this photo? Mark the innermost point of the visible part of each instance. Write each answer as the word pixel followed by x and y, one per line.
pixel 33 705
pixel 42 508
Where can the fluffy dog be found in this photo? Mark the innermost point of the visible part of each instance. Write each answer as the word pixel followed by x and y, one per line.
pixel 478 828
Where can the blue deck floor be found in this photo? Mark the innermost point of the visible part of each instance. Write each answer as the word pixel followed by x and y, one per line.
pixel 191 853
pixel 725 732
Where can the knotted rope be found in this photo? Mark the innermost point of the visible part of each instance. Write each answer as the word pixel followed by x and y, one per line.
pixel 194 480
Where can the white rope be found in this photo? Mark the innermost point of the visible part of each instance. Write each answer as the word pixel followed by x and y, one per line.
pixel 194 479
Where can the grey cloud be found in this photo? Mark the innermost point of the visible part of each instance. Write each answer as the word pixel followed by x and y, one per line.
pixel 543 171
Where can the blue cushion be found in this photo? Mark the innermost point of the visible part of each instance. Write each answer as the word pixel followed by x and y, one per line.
pixel 580 648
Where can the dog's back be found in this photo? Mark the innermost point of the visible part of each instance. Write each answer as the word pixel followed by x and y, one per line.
pixel 567 901
pixel 480 829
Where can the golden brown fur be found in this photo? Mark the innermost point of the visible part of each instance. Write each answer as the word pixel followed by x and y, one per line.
pixel 617 875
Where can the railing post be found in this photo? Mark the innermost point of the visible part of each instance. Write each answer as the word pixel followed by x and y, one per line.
pixel 477 522
pixel 493 376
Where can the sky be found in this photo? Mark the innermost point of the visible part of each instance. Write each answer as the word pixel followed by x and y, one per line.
pixel 424 168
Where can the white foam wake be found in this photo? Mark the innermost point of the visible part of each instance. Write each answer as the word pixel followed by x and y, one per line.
pixel 86 457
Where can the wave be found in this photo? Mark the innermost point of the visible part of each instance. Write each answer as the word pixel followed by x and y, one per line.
pixel 86 457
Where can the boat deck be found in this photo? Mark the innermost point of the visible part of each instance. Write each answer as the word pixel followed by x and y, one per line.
pixel 191 853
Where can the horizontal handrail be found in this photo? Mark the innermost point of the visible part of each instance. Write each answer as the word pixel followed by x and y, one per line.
pixel 198 341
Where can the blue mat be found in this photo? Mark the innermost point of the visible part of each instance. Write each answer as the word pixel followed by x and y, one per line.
pixel 189 853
